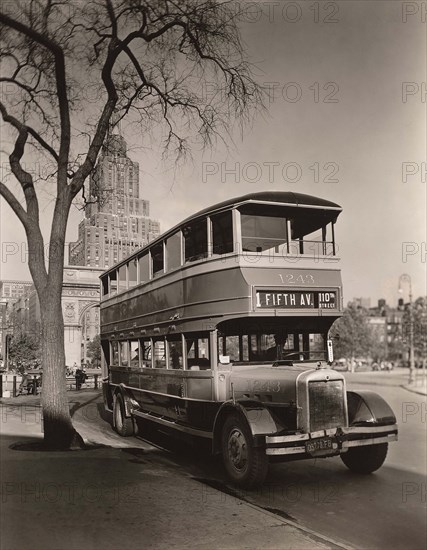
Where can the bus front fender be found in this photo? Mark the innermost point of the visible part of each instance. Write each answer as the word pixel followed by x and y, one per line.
pixel 257 417
pixel 365 406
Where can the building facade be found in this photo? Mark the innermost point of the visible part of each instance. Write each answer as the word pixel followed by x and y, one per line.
pixel 3 331
pixel 11 291
pixel 13 296
pixel 386 322
pixel 117 219
pixel 117 222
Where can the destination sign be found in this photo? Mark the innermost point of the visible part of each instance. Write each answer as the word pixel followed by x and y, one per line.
pixel 295 300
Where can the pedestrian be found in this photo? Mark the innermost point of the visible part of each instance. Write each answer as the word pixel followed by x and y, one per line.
pixel 24 385
pixel 80 378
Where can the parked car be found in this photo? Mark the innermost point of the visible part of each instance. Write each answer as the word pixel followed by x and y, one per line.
pixel 362 365
pixel 382 365
pixel 340 364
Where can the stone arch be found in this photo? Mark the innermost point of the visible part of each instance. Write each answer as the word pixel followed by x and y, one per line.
pixel 84 307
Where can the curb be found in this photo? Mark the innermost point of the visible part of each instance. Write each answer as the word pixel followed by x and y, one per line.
pixel 313 534
pixel 412 390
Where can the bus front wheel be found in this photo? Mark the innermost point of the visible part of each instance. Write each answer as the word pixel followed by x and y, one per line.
pixel 365 459
pixel 245 464
pixel 122 424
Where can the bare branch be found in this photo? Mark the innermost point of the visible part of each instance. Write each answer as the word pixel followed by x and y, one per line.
pixel 14 204
pixel 61 85
pixel 24 177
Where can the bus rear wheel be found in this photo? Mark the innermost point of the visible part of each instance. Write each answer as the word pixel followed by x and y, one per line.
pixel 122 424
pixel 245 464
pixel 365 459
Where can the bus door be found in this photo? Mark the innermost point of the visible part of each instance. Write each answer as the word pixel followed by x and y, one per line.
pixel 198 372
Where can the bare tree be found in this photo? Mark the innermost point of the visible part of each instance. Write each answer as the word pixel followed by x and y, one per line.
pixel 175 67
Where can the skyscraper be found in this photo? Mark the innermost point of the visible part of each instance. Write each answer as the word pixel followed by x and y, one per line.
pixel 116 224
pixel 116 220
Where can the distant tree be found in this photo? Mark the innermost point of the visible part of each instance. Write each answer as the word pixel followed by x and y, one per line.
pixel 352 334
pixel 24 350
pixel 378 351
pixel 150 61
pixel 419 319
pixel 94 351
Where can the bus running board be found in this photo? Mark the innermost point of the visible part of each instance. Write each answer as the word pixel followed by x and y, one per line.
pixel 173 424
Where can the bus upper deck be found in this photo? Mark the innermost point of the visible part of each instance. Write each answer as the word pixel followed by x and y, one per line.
pixel 264 253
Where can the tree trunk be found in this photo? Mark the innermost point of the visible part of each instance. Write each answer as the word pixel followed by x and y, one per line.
pixel 59 432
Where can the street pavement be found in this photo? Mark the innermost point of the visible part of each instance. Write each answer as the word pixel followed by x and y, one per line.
pixel 125 493
pixel 120 495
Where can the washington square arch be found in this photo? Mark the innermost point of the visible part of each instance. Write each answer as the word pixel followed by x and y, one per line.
pixel 80 307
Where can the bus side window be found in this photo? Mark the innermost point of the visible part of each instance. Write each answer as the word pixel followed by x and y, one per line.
pixel 222 233
pixel 159 354
pixel 104 282
pixel 133 272
pixel 124 353
pixel 198 352
pixel 122 278
pixel 134 353
pixel 146 353
pixel 157 259
pixel 175 354
pixel 144 268
pixel 203 348
pixel 113 282
pixel 173 251
pixel 196 241
pixel 115 353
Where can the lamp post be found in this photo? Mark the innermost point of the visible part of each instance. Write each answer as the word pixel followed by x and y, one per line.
pixel 424 332
pixel 405 278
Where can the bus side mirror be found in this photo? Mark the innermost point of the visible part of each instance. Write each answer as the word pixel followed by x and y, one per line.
pixel 330 352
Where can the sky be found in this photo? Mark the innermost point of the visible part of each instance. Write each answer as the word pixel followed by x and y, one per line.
pixel 345 121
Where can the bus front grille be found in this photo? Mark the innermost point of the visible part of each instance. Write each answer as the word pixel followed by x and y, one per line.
pixel 326 404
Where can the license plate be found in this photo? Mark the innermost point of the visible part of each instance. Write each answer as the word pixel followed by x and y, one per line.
pixel 320 444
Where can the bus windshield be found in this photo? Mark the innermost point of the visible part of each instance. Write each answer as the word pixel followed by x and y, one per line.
pixel 273 346
pixel 279 230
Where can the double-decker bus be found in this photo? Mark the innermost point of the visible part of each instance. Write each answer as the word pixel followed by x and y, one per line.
pixel 219 329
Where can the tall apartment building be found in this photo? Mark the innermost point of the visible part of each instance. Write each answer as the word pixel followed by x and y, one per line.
pixel 117 219
pixel 117 222
pixel 12 291
pixel 362 302
pixel 13 295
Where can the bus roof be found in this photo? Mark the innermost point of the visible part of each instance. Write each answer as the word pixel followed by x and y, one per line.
pixel 286 198
pixel 278 198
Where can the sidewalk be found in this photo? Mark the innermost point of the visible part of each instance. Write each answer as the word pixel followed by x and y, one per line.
pixel 419 385
pixel 396 377
pixel 120 498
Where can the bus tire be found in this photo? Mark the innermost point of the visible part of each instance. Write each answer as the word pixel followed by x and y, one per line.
pixel 122 424
pixel 245 464
pixel 365 459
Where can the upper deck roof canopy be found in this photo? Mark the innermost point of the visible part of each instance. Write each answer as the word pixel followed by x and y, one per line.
pixel 286 198
pixel 308 213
